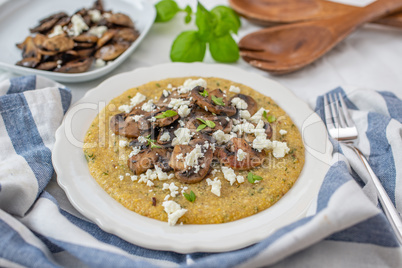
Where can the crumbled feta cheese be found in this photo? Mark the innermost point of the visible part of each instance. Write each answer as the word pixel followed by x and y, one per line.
pixel 148 106
pixel 229 175
pixel 216 186
pixel 283 132
pixel 234 89
pixel 221 137
pixel 135 151
pixel 169 86
pixel 189 84
pixel 241 155
pixel 244 127
pixel 121 177
pixel 191 159
pixel 176 103
pixel 240 179
pixel 244 114
pixel 162 176
pixel 99 63
pixel 167 197
pixel 165 136
pixel 138 98
pixel 239 103
pixel 98 31
pixel 166 93
pixel 142 139
pixel 183 111
pixel 57 30
pixel 172 188
pixel 137 117
pixel 261 142
pixel 134 177
pixel 107 15
pixel 279 149
pixel 78 25
pixel 257 116
pixel 95 15
pixel 174 211
pixel 123 143
pixel 183 136
pixel 150 183
pixel 125 108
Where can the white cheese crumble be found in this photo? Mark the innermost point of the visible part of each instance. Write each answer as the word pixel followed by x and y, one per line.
pixel 244 114
pixel 57 30
pixel 183 111
pixel 229 175
pixel 148 106
pixel 234 89
pixel 166 93
pixel 239 103
pixel 174 211
pixel 150 183
pixel 176 103
pixel 216 186
pixel 98 31
pixel 121 177
pixel 142 139
pixel 279 149
pixel 78 25
pixel 172 188
pixel 191 159
pixel 123 143
pixel 183 136
pixel 95 15
pixel 241 155
pixel 283 132
pixel 135 151
pixel 137 117
pixel 221 137
pixel 257 116
pixel 189 84
pixel 99 63
pixel 165 136
pixel 138 98
pixel 162 176
pixel 240 179
pixel 261 142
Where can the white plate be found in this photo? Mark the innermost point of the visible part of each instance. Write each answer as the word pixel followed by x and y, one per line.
pixel 90 199
pixel 17 16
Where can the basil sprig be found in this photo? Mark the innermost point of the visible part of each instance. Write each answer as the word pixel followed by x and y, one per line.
pixel 217 101
pixel 270 118
pixel 190 197
pixel 165 114
pixel 252 178
pixel 206 123
pixel 215 28
pixel 151 142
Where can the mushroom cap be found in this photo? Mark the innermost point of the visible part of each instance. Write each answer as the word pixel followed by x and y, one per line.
pixel 208 104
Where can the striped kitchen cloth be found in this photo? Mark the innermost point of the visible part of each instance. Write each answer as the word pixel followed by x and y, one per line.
pixel 40 228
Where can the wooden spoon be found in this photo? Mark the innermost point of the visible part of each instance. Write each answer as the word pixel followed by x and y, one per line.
pixel 274 12
pixel 287 48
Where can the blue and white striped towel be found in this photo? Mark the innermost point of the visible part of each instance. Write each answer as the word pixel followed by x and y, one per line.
pixel 40 228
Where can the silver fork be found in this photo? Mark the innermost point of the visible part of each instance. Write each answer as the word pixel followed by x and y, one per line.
pixel 342 128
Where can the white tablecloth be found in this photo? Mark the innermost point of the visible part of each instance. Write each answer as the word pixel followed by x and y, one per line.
pixel 369 58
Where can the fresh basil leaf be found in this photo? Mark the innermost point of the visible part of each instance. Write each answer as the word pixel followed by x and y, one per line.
pixel 252 178
pixel 204 93
pixel 202 120
pixel 153 145
pixel 227 20
pixel 201 127
pixel 210 123
pixel 271 118
pixel 224 49
pixel 165 114
pixel 190 197
pixel 166 10
pixel 217 101
pixel 205 22
pixel 189 11
pixel 265 115
pixel 188 47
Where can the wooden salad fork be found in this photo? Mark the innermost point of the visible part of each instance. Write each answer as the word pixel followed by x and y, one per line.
pixel 289 47
pixel 342 128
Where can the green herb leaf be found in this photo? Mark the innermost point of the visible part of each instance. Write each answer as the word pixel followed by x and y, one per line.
pixel 190 197
pixel 265 115
pixel 189 11
pixel 271 118
pixel 208 123
pixel 153 145
pixel 217 101
pixel 151 142
pixel 201 127
pixel 204 93
pixel 227 20
pixel 188 47
pixel 205 22
pixel 166 10
pixel 252 178
pixel 224 49
pixel 168 113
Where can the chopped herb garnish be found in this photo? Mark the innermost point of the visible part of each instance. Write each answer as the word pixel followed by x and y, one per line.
pixel 252 178
pixel 201 127
pixel 158 85
pixel 190 197
pixel 168 113
pixel 151 142
pixel 90 157
pixel 271 118
pixel 209 123
pixel 217 101
pixel 204 93
pixel 105 173
pixel 265 115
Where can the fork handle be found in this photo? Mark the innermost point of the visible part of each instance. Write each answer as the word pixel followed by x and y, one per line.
pixel 389 208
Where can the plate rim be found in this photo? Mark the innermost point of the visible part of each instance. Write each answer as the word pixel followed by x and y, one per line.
pixel 170 243
pixel 95 73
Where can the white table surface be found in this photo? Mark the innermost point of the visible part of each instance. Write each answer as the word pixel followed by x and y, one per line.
pixel 370 58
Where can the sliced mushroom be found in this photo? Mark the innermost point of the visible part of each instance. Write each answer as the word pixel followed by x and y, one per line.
pixel 163 122
pixel 268 130
pixel 106 37
pixel 110 52
pixel 47 24
pixel 188 174
pixel 125 125
pixel 47 65
pixel 59 43
pixel 76 66
pixel 83 45
pixel 39 39
pixel 194 123
pixel 98 5
pixel 28 62
pixel 126 34
pixel 229 155
pixel 120 19
pixel 170 130
pixel 29 50
pixel 220 107
pixel 86 38
pixel 147 159
pixel 252 106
